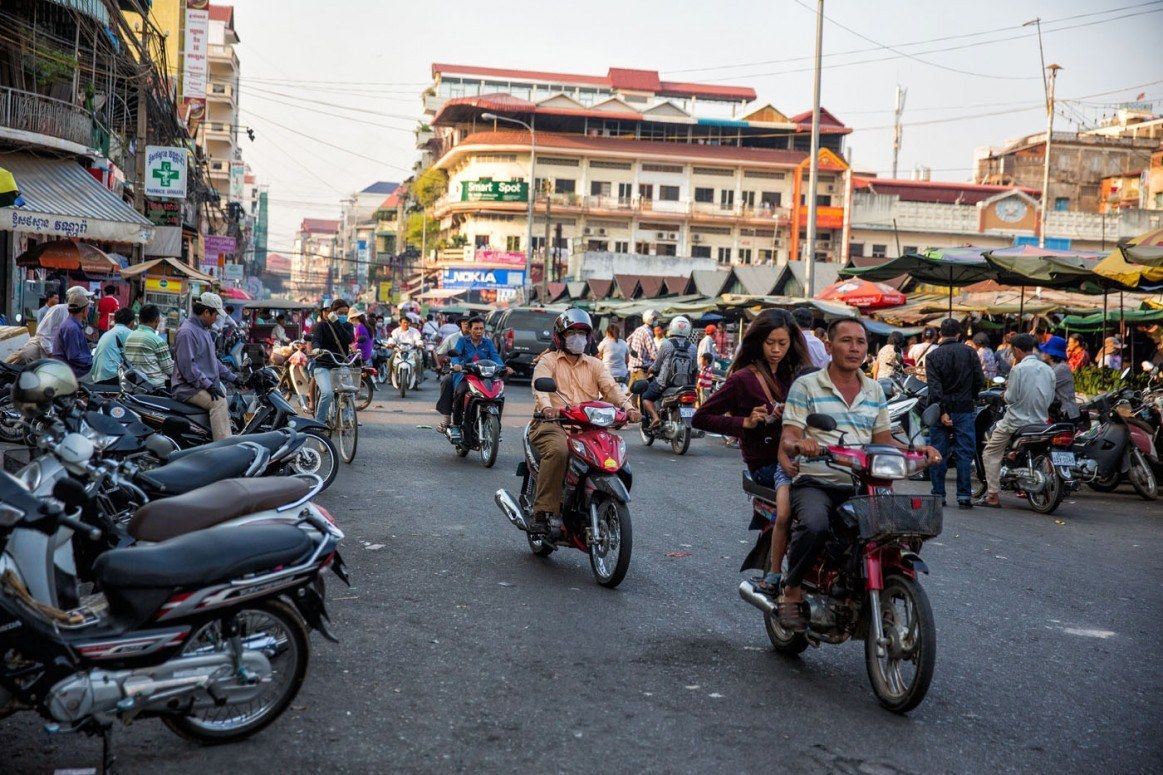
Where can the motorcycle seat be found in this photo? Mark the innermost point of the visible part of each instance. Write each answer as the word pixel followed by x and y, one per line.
pixel 203 558
pixel 214 504
pixel 170 405
pixel 271 441
pixel 752 487
pixel 198 470
pixel 1044 430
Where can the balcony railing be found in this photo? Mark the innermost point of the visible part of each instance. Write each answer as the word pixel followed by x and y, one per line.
pixel 41 115
pixel 220 91
pixel 219 52
pixel 637 204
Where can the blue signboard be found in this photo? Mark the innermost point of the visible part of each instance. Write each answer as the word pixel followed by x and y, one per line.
pixel 471 277
pixel 1052 243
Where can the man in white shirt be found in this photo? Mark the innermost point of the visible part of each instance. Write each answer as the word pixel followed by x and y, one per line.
pixel 816 349
pixel 707 343
pixel 41 344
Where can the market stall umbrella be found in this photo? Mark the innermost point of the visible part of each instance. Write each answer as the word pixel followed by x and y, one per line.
pixel 952 267
pixel 69 256
pixel 1131 275
pixel 1146 248
pixel 863 294
pixel 235 293
pixel 9 193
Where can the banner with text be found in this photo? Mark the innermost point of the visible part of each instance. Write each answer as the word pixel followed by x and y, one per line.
pixel 489 190
pixel 469 277
pixel 506 257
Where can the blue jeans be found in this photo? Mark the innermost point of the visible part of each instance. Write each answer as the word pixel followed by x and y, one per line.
pixel 326 393
pixel 961 438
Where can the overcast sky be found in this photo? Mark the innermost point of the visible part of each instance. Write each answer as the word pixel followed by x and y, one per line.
pixel 332 90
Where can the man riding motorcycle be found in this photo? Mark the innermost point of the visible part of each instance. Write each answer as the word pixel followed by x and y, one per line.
pixel 579 378
pixel 469 348
pixel 858 405
pixel 674 365
pixel 406 334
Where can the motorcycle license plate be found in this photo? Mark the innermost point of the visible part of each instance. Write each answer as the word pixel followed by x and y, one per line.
pixel 1061 458
pixel 686 412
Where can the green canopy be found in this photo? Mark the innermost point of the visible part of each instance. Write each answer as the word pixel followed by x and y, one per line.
pixel 1030 265
pixel 1094 321
pixel 951 267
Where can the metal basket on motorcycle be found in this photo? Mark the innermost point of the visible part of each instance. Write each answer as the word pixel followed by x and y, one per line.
pixel 896 516
pixel 346 379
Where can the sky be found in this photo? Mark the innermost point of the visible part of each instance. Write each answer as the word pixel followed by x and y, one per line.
pixel 332 89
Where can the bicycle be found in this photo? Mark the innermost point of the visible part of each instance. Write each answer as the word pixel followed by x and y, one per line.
pixel 342 417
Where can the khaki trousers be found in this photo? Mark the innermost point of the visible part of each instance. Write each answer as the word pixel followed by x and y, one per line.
pixel 30 352
pixel 552 445
pixel 991 457
pixel 219 413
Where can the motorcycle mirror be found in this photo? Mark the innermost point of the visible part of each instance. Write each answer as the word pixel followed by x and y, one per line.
pixel 821 422
pixel 930 418
pixel 639 387
pixel 19 318
pixel 1125 373
pixel 1147 366
pixel 998 381
pixel 70 492
pixel 545 385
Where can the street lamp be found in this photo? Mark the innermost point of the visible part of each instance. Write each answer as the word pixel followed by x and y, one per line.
pixel 527 285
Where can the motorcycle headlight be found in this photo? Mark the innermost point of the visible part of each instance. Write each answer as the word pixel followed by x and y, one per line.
pixel 31 475
pixel 602 417
pixel 888 467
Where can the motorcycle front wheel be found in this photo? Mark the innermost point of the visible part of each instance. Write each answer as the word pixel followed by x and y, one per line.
pixel 643 432
pixel 610 549
pixel 490 439
pixel 1142 477
pixel 278 632
pixel 1049 499
pixel 902 676
pixel 402 384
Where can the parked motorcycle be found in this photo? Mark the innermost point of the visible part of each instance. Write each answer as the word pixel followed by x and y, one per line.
pixel 865 583
pixel 675 410
pixel 480 412
pixel 595 511
pixel 1122 444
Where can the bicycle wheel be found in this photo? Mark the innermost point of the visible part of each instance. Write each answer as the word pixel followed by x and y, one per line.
pixel 347 426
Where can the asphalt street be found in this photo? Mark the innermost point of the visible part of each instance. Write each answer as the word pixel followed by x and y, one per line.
pixel 461 651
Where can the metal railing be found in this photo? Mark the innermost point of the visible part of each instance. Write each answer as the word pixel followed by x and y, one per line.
pixel 35 113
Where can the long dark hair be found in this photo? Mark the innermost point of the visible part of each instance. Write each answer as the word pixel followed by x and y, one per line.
pixel 751 349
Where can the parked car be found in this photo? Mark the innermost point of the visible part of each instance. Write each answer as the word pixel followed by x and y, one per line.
pixel 522 334
pixel 491 321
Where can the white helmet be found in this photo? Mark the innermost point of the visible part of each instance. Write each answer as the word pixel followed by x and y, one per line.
pixel 649 316
pixel 680 327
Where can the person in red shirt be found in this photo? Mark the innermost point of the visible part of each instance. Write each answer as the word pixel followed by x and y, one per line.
pixel 106 307
pixel 1076 354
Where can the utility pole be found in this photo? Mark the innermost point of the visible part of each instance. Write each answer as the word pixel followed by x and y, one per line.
pixel 527 286
pixel 1046 201
pixel 898 109
pixel 142 116
pixel 545 262
pixel 814 168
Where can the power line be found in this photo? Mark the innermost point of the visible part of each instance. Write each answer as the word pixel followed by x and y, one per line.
pixel 335 115
pixel 327 144
pixel 397 116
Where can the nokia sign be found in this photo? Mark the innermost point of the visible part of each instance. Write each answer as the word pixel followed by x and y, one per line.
pixel 467 277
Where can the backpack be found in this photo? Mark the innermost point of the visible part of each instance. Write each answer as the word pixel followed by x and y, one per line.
pixel 682 369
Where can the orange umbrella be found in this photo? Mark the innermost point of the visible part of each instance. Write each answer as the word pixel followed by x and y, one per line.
pixel 70 256
pixel 863 294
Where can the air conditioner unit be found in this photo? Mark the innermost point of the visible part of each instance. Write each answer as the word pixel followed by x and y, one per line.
pixel 660 235
pixel 696 238
pixel 672 235
pixel 778 242
pixel 586 230
pixel 601 232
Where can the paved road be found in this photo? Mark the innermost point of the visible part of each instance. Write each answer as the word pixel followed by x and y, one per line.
pixel 462 652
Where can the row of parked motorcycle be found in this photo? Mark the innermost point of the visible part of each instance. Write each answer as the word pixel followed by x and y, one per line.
pixel 1117 439
pixel 147 572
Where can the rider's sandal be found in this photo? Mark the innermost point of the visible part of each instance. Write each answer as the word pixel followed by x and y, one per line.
pixel 792 615
pixel 769 584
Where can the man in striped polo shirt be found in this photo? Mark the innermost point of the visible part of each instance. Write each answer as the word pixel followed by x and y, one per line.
pixel 858 405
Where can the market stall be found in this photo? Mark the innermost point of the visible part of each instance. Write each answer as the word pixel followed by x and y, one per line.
pixel 170 284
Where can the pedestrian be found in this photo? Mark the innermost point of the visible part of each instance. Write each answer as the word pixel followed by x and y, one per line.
pixel 1029 393
pixel 110 351
pixel 615 354
pixel 919 352
pixel 706 379
pixel 106 306
pixel 641 345
pixel 147 351
pixel 954 377
pixel 707 343
pixel 42 342
pixel 1054 353
pixel 817 352
pixel 888 358
pixel 1077 355
pixel 985 355
pixel 50 300
pixel 1004 354
pixel 659 330
pixel 1112 353
pixel 198 373
pixel 71 345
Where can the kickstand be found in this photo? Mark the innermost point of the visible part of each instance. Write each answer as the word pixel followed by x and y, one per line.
pixel 107 757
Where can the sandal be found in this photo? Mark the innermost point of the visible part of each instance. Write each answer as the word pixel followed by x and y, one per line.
pixel 792 615
pixel 769 584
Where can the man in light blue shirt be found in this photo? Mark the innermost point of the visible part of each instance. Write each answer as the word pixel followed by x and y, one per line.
pixel 110 350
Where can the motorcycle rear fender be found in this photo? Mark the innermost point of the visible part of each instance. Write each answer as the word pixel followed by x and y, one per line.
pixel 914 561
pixel 612 486
pixel 298 423
pixel 309 602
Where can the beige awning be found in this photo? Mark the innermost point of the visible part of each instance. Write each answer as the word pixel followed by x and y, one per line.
pixel 441 293
pixel 164 266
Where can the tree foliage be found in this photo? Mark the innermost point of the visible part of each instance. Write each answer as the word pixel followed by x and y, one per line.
pixel 430 186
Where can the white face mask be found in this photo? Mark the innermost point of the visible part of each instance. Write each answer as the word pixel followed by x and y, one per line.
pixel 575 343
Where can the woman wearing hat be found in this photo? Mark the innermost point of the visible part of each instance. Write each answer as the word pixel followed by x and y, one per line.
pixel 1112 353
pixel 1054 353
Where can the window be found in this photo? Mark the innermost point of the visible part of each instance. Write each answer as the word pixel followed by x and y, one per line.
pixel 727 199
pixel 625 191
pixel 823 200
pixel 909 249
pixel 598 164
pixel 701 251
pixel 538 243
pixel 481 241
pixel 724 255
pixel 665 249
pixel 747 199
pixel 642 248
pixel 564 186
pixel 719 171
pixel 766 256
pixel 598 245
pixel 668 193
pixel 671 168
pixel 1061 203
pixel 1159 200
pixel 770 198
pixel 513 244
pixel 744 255
pixel 557 162
pixel 879 251
pixel 621 246
pixel 706 195
pixel 645 190
pixel 600 188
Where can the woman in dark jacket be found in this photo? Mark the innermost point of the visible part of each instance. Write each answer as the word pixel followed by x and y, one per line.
pixel 749 406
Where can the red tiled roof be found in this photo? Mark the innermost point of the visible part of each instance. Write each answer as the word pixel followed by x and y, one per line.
pixel 392 202
pixel 319 226
pixel 464 108
pixel 936 191
pixel 615 78
pixel 223 13
pixel 278 263
pixel 829 124
pixel 600 289
pixel 780 156
pixel 651 286
pixel 676 285
pixel 627 285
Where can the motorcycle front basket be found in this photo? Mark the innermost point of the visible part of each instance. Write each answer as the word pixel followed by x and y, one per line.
pixel 898 516
pixel 345 379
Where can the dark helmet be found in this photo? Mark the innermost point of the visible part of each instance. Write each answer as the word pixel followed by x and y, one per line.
pixel 573 319
pixel 40 383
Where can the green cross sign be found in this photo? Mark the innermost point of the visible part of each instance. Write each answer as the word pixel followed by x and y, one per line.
pixel 166 174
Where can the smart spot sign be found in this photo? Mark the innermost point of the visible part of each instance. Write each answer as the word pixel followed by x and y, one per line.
pixel 481 279
pixel 165 172
pixel 489 190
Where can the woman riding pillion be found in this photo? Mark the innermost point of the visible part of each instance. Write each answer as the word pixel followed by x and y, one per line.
pixel 749 406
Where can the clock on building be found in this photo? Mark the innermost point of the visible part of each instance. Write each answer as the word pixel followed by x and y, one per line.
pixel 1011 210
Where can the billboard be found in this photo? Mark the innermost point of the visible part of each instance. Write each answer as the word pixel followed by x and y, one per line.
pixel 195 66
pixel 237 182
pixel 470 277
pixel 489 190
pixel 507 257
pixel 165 172
pixel 217 246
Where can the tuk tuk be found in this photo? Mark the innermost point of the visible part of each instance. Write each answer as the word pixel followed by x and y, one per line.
pixel 259 317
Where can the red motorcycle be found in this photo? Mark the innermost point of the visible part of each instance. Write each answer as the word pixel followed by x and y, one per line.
pixel 595 516
pixel 480 412
pixel 865 583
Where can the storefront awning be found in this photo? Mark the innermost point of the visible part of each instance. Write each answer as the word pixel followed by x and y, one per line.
pixel 442 293
pixel 64 200
pixel 166 266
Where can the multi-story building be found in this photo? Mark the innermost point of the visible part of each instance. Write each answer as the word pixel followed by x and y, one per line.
pixel 218 134
pixel 314 254
pixel 357 236
pixel 629 164
pixel 1079 161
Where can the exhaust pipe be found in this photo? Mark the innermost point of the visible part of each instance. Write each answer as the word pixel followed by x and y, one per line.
pixel 759 600
pixel 510 509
